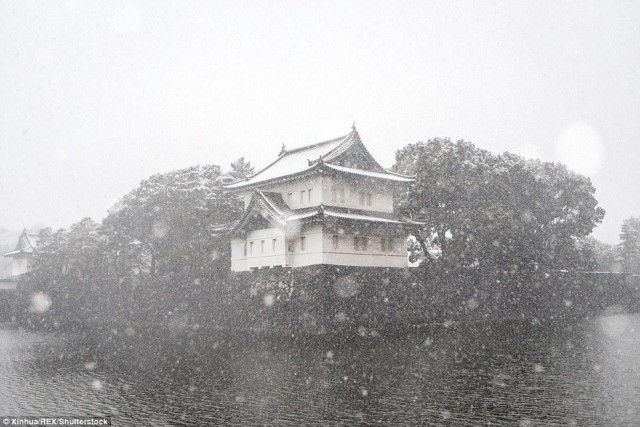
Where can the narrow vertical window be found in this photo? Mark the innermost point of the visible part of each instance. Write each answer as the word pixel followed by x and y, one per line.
pixel 336 240
pixel 289 198
pixel 356 243
pixel 362 198
pixel 390 245
pixel 368 199
pixel 273 246
pixel 250 248
pixel 292 246
pixel 302 197
pixel 334 194
pixel 383 244
pixel 261 246
pixel 363 243
pixel 342 195
pixel 302 243
pixel 244 252
pixel 309 195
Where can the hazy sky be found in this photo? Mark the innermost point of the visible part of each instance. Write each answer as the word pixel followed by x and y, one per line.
pixel 96 96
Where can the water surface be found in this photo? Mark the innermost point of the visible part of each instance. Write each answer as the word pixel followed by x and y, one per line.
pixel 510 373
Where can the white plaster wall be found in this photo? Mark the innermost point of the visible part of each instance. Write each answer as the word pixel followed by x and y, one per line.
pixel 374 256
pixel 256 257
pixel 19 265
pixel 238 259
pixel 312 254
pixel 269 257
pixel 366 260
pixel 381 200
pixel 295 187
pixel 318 250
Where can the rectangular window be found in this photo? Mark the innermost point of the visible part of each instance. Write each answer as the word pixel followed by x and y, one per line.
pixel 302 197
pixel 368 199
pixel 390 245
pixel 363 243
pixel 336 240
pixel 334 194
pixel 250 248
pixel 309 195
pixel 342 195
pixel 244 252
pixel 261 246
pixel 292 246
pixel 383 244
pixel 356 243
pixel 273 246
pixel 362 198
pixel 289 198
pixel 302 243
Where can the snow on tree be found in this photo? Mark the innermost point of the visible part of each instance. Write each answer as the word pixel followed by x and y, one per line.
pixel 490 212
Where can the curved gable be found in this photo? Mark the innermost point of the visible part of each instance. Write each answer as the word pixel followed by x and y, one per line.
pixel 260 213
pixel 355 156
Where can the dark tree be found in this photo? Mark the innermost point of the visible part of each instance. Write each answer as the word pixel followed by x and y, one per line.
pixel 168 224
pixel 68 267
pixel 497 214
pixel 630 245
pixel 241 169
pixel 607 257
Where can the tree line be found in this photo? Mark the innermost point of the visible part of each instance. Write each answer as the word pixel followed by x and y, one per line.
pixel 497 213
pixel 164 237
pixel 491 216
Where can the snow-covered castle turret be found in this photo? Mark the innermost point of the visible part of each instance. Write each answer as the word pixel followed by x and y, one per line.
pixel 324 203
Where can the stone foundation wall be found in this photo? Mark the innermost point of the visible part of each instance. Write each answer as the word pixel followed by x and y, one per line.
pixel 321 299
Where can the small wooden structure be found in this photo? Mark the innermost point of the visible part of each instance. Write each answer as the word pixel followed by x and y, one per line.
pixel 22 254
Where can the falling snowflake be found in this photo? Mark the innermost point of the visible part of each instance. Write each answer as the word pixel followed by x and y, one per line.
pixel 268 300
pixel 40 302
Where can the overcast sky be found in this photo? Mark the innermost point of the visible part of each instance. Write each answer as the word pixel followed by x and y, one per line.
pixel 96 96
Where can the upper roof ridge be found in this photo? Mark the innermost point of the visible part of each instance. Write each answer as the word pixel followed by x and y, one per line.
pixel 284 151
pixel 307 159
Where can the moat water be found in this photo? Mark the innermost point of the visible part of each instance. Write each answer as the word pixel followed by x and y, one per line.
pixel 509 373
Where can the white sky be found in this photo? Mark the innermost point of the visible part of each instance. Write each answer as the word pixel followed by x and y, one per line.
pixel 96 96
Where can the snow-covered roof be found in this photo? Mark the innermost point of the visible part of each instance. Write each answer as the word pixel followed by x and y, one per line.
pixel 265 205
pixel 27 242
pixel 291 162
pixel 303 160
pixel 361 217
pixel 389 176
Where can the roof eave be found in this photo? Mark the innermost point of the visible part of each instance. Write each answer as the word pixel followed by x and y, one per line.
pixel 255 185
pixel 362 218
pixel 14 253
pixel 363 174
pixel 258 197
pixel 411 177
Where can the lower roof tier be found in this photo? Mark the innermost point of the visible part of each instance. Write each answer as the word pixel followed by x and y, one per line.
pixel 268 209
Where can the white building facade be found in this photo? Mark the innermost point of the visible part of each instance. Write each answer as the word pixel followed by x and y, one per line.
pixel 21 256
pixel 325 203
